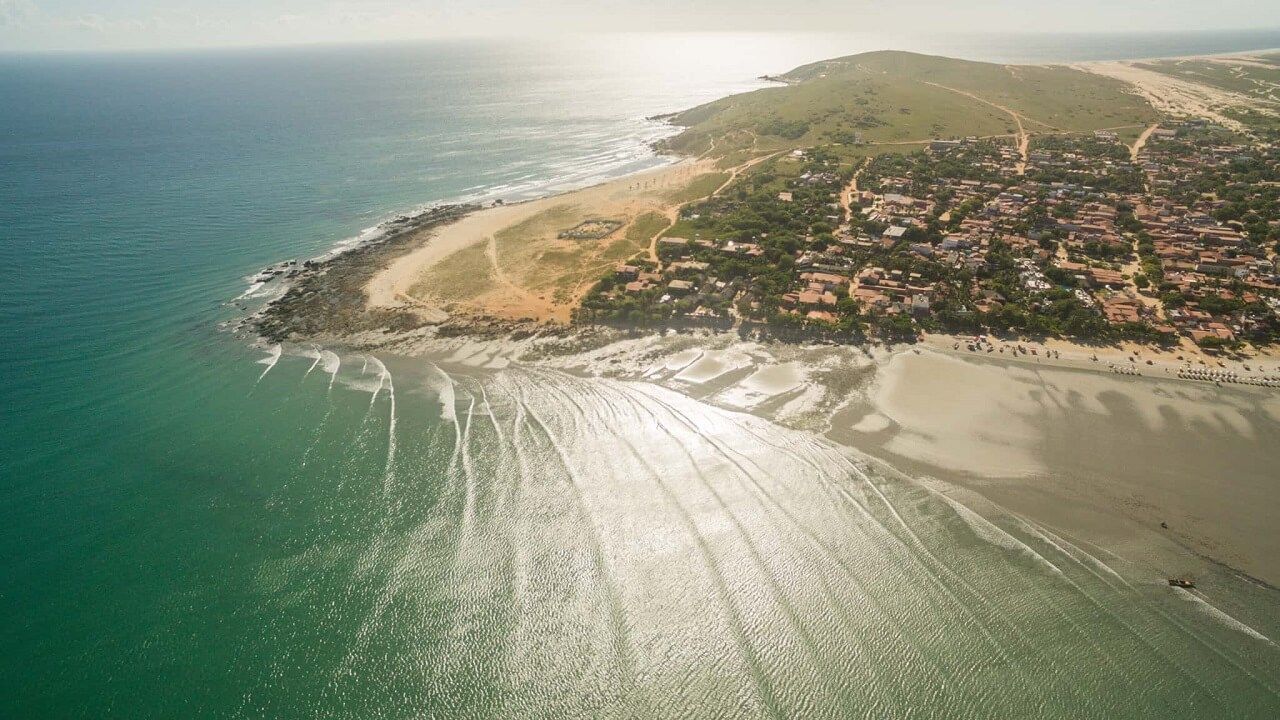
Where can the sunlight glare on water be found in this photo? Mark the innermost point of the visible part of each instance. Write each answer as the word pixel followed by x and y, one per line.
pixel 611 548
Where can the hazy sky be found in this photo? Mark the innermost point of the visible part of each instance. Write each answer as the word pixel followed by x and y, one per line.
pixel 87 24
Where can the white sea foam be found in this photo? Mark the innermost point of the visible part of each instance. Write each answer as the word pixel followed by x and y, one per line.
pixel 270 360
pixel 314 352
pixel 1212 610
pixel 330 361
pixel 252 289
pixel 442 384
pixel 993 533
pixel 625 156
pixel 385 380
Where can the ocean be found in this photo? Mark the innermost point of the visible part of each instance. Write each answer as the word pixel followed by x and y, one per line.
pixel 191 529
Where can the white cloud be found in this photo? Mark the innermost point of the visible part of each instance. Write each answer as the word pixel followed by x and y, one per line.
pixel 18 13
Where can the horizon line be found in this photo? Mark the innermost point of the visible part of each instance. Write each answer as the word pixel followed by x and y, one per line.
pixel 479 36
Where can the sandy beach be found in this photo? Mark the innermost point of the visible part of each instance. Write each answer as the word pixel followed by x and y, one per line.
pixel 1109 455
pixel 501 277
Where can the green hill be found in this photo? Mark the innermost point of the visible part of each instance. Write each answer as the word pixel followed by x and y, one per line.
pixel 900 97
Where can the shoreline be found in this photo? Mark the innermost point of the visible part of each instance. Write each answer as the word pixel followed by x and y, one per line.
pixel 986 417
pixel 1109 456
pixel 1196 56
pixel 388 288
pixel 1187 465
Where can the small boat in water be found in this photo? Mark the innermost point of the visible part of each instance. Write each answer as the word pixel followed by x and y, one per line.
pixel 1187 583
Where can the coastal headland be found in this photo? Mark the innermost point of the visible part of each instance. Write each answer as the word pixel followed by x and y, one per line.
pixel 842 131
pixel 1091 246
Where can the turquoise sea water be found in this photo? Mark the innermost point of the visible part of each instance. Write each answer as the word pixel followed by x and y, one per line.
pixel 187 532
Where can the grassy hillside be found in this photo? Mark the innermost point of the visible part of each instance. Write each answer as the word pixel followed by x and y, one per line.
pixel 899 97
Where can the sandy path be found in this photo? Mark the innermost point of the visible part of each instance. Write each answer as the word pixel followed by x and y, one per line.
pixel 1024 137
pixel 673 213
pixel 500 275
pixel 846 197
pixel 389 288
pixel 1141 141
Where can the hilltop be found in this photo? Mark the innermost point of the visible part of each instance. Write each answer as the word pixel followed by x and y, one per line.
pixel 893 98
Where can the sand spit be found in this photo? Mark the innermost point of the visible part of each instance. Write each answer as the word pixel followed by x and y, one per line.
pixel 324 299
pixel 504 282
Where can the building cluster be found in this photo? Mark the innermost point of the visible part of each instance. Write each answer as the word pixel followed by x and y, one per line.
pixel 1218 280
pixel 1076 238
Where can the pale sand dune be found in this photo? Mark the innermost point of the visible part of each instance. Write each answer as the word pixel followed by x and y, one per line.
pixel 1175 96
pixel 1249 60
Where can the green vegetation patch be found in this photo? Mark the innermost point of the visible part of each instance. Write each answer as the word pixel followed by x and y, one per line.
pixel 460 277
pixel 698 188
pixel 894 97
pixel 636 238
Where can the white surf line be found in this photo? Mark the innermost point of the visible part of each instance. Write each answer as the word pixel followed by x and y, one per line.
pixel 1062 544
pixel 389 471
pixel 890 537
pixel 331 364
pixel 993 533
pixel 447 396
pixel 502 438
pixel 449 411
pixel 968 515
pixel 1046 534
pixel 484 396
pixel 1221 616
pixel 941 567
pixel 1140 637
pixel 316 350
pixel 1177 623
pixel 463 453
pixel 253 288
pixel 306 454
pixel 270 361
pixel 382 380
pixel 794 451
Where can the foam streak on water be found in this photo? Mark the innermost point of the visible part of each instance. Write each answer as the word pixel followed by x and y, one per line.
pixel 609 548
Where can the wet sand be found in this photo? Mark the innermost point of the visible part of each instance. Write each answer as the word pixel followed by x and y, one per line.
pixel 1103 456
pixel 1108 456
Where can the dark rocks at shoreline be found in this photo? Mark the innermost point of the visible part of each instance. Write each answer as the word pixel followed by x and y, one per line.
pixel 327 297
